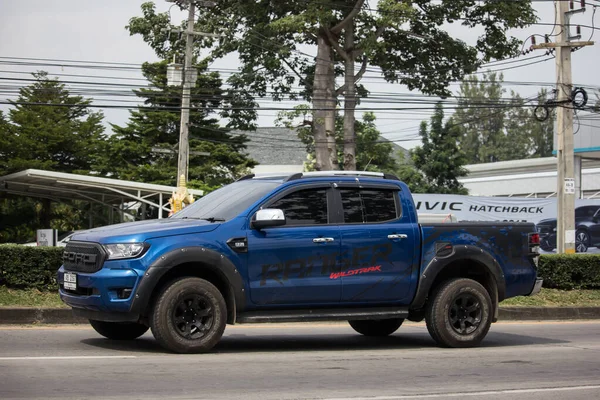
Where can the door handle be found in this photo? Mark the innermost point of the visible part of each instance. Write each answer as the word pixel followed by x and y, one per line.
pixel 397 236
pixel 323 240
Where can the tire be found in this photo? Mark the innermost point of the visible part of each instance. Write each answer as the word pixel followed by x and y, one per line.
pixel 582 241
pixel 381 327
pixel 189 316
pixel 119 330
pixel 545 246
pixel 459 314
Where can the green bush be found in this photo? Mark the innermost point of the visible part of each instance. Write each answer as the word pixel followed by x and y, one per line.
pixel 573 271
pixel 24 267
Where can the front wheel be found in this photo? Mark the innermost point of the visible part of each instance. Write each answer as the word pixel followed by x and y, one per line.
pixel 119 330
pixel 381 327
pixel 459 314
pixel 189 316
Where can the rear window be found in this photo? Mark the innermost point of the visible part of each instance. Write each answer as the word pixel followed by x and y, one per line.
pixel 369 205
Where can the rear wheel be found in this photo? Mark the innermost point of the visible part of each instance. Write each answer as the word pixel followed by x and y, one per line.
pixel 459 314
pixel 189 316
pixel 582 241
pixel 119 330
pixel 381 327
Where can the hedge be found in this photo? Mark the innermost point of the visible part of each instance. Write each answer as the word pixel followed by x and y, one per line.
pixel 23 267
pixel 566 272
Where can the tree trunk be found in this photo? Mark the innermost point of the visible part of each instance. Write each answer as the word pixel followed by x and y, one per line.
pixel 349 101
pixel 46 213
pixel 324 105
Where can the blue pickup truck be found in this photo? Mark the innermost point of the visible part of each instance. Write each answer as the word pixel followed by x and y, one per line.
pixel 306 247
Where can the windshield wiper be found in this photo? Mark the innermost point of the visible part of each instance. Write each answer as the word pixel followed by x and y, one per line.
pixel 213 219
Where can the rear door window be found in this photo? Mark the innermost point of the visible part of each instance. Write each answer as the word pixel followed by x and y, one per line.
pixel 369 205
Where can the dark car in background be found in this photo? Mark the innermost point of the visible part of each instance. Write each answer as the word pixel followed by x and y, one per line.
pixel 587 225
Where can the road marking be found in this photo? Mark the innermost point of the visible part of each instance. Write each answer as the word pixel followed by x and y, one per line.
pixel 63 358
pixel 471 394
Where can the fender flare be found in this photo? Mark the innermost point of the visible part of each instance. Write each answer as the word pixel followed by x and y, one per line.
pixel 206 258
pixel 459 253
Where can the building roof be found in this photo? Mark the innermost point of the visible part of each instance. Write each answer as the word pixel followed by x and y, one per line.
pixel 278 146
pixel 105 191
pixel 275 146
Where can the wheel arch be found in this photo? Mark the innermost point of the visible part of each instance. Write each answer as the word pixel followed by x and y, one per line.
pixel 465 262
pixel 196 262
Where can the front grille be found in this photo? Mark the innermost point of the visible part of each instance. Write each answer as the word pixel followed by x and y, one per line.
pixel 83 257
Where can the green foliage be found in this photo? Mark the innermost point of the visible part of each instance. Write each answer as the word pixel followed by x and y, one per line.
pixel 373 152
pixel 46 128
pixel 439 158
pixel 30 298
pixel 49 129
pixel 481 117
pixel 131 153
pixel 570 271
pixel 494 128
pixel 23 267
pixel 408 40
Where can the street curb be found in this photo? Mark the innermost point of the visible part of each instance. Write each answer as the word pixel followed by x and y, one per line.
pixel 28 316
pixel 547 313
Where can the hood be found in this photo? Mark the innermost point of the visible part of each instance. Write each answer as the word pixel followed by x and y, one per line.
pixel 549 221
pixel 136 232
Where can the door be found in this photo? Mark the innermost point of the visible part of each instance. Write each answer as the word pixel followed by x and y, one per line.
pixel 595 228
pixel 380 247
pixel 293 264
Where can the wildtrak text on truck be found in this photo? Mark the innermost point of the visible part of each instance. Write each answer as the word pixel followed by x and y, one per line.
pixel 316 246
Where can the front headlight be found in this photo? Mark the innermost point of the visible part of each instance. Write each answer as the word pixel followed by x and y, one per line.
pixel 124 250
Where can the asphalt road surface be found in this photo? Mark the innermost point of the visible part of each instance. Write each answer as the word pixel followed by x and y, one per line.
pixel 531 361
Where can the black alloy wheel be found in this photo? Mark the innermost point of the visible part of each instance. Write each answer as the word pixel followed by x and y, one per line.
pixel 193 317
pixel 465 314
pixel 189 316
pixel 582 241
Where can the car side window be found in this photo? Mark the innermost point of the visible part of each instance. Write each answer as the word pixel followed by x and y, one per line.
pixel 304 207
pixel 585 212
pixel 368 205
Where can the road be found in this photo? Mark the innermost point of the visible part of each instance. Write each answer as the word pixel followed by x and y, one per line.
pixel 531 361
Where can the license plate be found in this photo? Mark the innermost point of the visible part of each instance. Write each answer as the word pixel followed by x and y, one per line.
pixel 70 281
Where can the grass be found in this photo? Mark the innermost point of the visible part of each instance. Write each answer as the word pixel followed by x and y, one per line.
pixel 546 298
pixel 557 298
pixel 29 298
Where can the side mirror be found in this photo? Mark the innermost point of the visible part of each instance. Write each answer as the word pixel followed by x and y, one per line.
pixel 267 218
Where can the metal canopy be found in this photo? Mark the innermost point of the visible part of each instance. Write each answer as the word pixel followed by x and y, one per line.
pixel 112 193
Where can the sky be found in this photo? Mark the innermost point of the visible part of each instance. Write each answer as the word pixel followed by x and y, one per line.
pixel 94 31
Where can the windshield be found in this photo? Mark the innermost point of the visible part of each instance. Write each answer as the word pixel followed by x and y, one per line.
pixel 227 202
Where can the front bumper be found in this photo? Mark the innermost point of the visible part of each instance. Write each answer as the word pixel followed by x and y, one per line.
pixel 537 287
pixel 101 291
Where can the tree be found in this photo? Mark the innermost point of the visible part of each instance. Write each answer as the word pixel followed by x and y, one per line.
pixel 494 128
pixel 541 134
pixel 374 153
pixel 481 115
pixel 440 159
pixel 49 129
pixel 146 148
pixel 268 37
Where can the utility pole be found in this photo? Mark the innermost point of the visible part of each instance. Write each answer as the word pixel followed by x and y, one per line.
pixel 565 241
pixel 182 164
pixel 181 195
